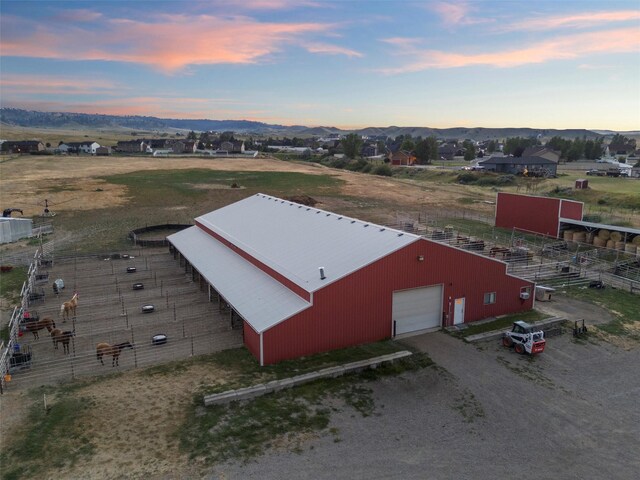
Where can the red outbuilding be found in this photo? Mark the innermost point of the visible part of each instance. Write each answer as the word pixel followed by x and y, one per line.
pixel 305 280
pixel 534 214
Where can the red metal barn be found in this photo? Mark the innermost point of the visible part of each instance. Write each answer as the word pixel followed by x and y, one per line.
pixel 535 214
pixel 306 280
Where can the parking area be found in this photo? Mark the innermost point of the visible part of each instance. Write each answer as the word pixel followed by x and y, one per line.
pixel 484 412
pixel 129 297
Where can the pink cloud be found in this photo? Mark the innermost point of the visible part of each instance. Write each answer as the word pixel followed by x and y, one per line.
pixel 168 43
pixel 626 40
pixel 272 4
pixel 581 20
pixel 457 13
pixel 331 50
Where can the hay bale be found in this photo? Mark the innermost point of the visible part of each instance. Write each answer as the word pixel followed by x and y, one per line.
pixel 604 234
pixel 599 242
pixel 615 236
pixel 636 240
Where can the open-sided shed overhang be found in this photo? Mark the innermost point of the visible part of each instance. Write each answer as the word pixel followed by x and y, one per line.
pixel 597 226
pixel 258 298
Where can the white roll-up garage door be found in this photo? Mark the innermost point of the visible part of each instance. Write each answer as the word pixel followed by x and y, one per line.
pixel 417 309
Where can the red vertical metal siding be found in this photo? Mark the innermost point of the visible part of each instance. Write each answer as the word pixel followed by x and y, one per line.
pixel 524 212
pixel 357 309
pixel 571 209
pixel 251 340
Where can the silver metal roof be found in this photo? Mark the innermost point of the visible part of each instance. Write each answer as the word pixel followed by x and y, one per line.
pixel 296 240
pixel 261 300
pixel 633 231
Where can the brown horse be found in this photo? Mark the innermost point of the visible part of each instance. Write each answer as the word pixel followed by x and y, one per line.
pixel 69 307
pixel 34 327
pixel 113 350
pixel 59 336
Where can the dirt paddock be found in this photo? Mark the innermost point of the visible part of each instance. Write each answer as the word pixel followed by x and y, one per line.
pixel 110 310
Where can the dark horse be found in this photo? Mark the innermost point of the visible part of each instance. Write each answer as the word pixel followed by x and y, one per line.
pixel 113 350
pixel 34 327
pixel 63 337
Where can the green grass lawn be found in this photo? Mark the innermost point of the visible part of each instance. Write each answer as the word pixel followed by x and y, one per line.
pixel 178 196
pixel 625 307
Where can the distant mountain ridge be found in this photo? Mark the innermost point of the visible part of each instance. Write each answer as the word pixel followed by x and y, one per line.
pixel 27 118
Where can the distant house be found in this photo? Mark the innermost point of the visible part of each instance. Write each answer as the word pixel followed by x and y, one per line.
pixel 157 143
pixel 620 149
pixel 531 166
pixel 447 152
pixel 544 152
pixel 131 146
pixel 184 146
pixel 87 147
pixel 232 147
pixel 23 146
pixel 370 150
pixel 402 158
pixel 103 151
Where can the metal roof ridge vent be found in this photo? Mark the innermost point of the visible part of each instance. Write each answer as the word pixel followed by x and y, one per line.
pixel 382 229
pixel 328 214
pixel 365 225
pixel 353 221
pixel 322 275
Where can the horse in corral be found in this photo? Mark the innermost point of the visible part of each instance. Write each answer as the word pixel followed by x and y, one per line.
pixel 113 350
pixel 34 327
pixel 69 307
pixel 64 337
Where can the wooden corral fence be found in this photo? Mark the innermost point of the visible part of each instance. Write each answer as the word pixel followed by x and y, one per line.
pixel 111 309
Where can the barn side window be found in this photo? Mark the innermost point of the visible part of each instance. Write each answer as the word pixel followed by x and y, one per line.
pixel 489 298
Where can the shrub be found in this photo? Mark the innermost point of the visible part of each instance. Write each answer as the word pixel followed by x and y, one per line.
pixel 383 171
pixel 338 163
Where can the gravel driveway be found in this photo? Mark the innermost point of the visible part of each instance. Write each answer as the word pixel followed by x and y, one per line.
pixel 483 413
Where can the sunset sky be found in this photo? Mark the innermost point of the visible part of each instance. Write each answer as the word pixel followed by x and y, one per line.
pixel 350 64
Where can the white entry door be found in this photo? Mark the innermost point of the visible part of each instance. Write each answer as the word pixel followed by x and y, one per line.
pixel 458 311
pixel 417 309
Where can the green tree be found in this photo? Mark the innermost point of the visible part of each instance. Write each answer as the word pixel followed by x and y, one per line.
pixel 192 136
pixel 469 150
pixel 516 145
pixel 433 147
pixel 491 146
pixel 226 137
pixel 422 152
pixel 351 144
pixel 407 144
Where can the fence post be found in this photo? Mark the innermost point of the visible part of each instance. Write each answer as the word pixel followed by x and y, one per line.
pixel 192 345
pixel 135 355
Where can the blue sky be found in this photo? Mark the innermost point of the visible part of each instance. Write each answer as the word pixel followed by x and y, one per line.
pixel 351 64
